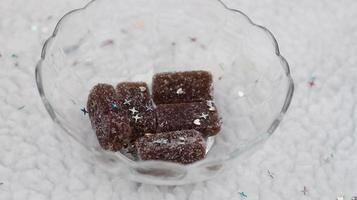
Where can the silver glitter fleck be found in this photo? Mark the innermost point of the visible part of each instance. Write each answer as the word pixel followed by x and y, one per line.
pixel 127 102
pixel 241 94
pixel 203 115
pixel 133 110
pixel 180 91
pixel 210 105
pixel 136 117
pixel 210 102
pixel 160 141
pixel 197 122
pixel 142 89
pixel 181 140
pixel 149 108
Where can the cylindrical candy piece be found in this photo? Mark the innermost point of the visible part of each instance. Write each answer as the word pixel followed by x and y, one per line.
pixel 108 119
pixel 182 87
pixel 201 116
pixel 185 146
pixel 136 99
pixel 112 132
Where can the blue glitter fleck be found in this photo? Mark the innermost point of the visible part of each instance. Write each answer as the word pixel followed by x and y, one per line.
pixel 242 195
pixel 114 106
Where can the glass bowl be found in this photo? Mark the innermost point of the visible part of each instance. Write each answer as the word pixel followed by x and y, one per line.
pixel 109 41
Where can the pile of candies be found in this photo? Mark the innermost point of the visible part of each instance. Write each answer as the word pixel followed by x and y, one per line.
pixel 169 125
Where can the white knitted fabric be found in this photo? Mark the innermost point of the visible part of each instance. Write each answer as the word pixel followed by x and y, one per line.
pixel 315 146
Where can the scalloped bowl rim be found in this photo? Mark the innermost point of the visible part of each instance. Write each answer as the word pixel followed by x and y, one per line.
pixel 230 155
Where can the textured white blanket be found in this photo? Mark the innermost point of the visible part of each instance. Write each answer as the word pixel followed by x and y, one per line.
pixel 311 156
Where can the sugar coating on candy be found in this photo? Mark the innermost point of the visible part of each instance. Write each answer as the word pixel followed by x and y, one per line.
pixel 182 87
pixel 133 95
pixel 112 132
pixel 136 99
pixel 185 146
pixel 102 99
pixel 108 118
pixel 136 93
pixel 201 116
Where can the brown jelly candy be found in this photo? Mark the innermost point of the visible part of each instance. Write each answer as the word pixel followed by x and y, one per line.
pixel 102 99
pixel 182 87
pixel 185 146
pixel 136 99
pixel 136 93
pixel 201 116
pixel 109 120
pixel 112 132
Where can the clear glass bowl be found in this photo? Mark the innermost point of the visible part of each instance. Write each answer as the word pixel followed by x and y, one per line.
pixel 110 41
